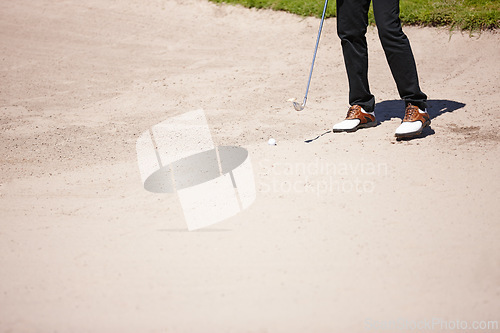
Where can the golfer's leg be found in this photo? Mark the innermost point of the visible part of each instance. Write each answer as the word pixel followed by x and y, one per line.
pixel 352 20
pixel 398 52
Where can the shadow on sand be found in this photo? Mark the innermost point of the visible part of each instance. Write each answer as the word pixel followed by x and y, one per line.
pixel 388 110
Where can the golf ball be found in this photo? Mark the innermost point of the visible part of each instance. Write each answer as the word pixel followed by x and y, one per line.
pixel 272 142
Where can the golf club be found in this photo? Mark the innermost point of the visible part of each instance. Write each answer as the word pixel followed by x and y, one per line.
pixel 297 106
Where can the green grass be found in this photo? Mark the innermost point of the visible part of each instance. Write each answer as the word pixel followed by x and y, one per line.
pixel 462 14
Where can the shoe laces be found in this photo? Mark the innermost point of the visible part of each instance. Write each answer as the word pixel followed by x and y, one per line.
pixel 352 110
pixel 411 111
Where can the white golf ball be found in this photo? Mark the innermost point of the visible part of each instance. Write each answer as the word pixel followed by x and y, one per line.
pixel 272 142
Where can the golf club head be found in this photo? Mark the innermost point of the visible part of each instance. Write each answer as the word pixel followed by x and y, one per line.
pixel 298 107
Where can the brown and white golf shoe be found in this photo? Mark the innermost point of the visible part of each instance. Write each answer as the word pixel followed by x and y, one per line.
pixel 356 118
pixel 414 122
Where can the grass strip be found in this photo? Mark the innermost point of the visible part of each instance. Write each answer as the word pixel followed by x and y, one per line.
pixel 457 14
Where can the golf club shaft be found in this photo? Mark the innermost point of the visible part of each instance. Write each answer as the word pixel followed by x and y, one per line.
pixel 315 51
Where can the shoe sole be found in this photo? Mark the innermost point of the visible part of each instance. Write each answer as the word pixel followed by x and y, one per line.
pixel 413 134
pixel 370 124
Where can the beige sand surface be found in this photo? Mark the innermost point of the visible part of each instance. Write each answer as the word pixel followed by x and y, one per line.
pixel 84 248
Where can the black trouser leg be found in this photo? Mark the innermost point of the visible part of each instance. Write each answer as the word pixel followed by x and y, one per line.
pixel 398 52
pixel 352 21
